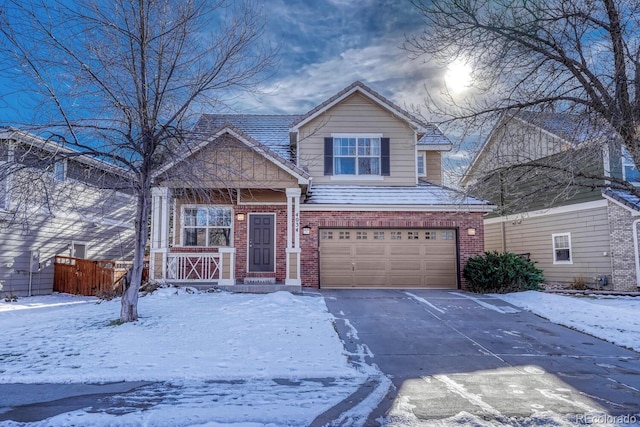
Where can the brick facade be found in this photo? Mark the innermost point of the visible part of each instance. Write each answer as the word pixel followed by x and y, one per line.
pixel 468 245
pixel 622 247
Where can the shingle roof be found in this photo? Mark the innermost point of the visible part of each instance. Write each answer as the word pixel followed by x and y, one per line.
pixel 433 136
pixel 271 131
pixel 423 195
pixel 630 200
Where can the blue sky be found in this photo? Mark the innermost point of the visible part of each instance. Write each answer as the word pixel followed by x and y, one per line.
pixel 325 45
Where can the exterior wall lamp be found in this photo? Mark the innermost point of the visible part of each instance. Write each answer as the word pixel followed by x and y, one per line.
pixel 240 217
pixel 306 230
pixel 471 231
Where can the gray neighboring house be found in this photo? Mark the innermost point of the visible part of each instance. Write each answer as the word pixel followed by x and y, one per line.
pixel 56 202
pixel 581 232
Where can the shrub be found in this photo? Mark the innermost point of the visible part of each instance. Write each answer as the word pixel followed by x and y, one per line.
pixel 504 272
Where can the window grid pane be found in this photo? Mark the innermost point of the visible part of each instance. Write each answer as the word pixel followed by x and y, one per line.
pixel 356 156
pixel 207 226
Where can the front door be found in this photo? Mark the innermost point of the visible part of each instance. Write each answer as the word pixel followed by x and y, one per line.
pixel 261 243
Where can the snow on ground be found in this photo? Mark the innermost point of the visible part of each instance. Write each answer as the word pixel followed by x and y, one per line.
pixel 230 359
pixel 611 318
pixel 262 359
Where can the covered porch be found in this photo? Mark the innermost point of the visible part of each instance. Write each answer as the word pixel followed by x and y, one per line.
pixel 244 240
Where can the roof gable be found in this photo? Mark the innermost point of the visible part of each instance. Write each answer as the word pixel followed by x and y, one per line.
pixel 364 90
pixel 227 129
pixel 570 130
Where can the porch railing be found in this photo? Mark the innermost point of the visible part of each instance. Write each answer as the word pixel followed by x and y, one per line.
pixel 203 267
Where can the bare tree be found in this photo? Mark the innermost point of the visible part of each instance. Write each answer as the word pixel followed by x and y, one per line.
pixel 571 56
pixel 122 80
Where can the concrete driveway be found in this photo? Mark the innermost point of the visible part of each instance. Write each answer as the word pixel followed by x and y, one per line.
pixel 451 355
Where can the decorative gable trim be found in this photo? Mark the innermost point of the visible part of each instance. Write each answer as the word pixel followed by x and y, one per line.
pixel 361 88
pixel 302 177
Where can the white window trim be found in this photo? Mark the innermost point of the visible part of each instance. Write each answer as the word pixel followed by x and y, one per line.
pixel 72 248
pixel 6 203
pixel 626 161
pixel 57 164
pixel 182 226
pixel 424 164
pixel 553 244
pixel 357 175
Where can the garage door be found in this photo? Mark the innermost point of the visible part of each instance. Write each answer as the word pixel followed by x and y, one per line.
pixel 388 258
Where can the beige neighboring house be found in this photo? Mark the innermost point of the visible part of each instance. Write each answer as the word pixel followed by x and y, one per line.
pixel 347 195
pixel 572 233
pixel 55 202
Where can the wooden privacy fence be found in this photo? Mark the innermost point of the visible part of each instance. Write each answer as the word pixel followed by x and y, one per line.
pixel 90 277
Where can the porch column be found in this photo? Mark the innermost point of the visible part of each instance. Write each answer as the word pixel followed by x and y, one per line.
pixel 160 206
pixel 293 237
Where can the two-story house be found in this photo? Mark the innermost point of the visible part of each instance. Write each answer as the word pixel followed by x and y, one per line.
pixel 551 176
pixel 346 195
pixel 55 201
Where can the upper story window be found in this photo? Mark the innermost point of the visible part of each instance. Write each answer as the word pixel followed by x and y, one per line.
pixel 4 193
pixel 60 170
pixel 207 226
pixel 629 171
pixel 422 164
pixel 356 155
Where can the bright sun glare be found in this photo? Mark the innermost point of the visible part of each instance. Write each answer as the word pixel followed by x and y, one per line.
pixel 458 76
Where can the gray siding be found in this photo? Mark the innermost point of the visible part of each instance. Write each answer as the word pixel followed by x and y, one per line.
pixel 358 114
pixel 590 239
pixel 47 216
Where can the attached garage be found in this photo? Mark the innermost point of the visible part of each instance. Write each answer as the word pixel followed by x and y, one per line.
pixel 388 258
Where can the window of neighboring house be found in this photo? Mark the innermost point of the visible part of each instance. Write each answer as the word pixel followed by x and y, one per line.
pixel 60 170
pixel 422 164
pixel 207 226
pixel 562 248
pixel 78 250
pixel 630 172
pixel 4 193
pixel 356 155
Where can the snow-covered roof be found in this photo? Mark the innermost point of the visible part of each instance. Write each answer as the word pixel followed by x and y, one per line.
pixel 433 136
pixel 270 130
pixel 423 196
pixel 624 197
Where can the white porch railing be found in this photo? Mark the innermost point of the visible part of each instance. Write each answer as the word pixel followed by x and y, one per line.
pixel 194 266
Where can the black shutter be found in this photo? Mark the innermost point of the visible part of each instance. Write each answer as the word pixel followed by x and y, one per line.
pixel 385 161
pixel 328 155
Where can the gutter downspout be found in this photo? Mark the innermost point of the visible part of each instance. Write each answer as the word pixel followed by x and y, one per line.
pixel 636 250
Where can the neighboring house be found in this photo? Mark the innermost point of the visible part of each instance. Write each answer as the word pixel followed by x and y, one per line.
pixel 55 202
pixel 346 195
pixel 570 227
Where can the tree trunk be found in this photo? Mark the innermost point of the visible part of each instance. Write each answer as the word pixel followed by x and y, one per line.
pixel 129 303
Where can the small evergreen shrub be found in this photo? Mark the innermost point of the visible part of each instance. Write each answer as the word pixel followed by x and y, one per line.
pixel 501 273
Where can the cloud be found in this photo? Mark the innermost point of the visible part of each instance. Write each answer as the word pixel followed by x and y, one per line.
pixel 381 65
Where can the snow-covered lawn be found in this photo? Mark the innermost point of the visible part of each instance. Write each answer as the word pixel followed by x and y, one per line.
pixel 278 353
pixel 612 318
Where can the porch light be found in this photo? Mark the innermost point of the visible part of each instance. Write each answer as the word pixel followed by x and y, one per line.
pixel 471 231
pixel 306 229
pixel 240 217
